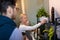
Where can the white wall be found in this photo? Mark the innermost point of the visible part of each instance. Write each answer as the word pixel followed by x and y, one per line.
pixel 46 5
pixel 56 5
pixel 32 6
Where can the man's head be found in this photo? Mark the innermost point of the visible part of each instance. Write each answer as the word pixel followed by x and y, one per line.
pixel 7 9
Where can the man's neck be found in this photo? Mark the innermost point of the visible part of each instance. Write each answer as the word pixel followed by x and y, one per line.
pixel 7 16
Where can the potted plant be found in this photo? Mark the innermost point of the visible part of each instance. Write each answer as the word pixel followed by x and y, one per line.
pixel 41 13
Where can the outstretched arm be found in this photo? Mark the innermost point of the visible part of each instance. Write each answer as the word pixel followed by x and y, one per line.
pixel 25 28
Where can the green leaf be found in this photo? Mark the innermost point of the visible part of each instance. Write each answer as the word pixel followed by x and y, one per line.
pixel 42 12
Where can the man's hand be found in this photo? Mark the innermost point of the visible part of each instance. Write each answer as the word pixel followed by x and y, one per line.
pixel 43 21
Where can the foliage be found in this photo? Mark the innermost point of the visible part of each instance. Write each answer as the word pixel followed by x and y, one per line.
pixel 42 12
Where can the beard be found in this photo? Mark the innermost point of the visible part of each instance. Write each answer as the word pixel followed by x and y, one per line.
pixel 13 17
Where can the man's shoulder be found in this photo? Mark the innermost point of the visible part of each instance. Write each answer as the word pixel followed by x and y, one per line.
pixel 16 30
pixel 16 35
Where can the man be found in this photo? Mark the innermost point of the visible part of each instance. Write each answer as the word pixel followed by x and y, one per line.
pixel 8 30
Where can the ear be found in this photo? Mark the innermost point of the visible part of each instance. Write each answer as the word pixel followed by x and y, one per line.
pixel 8 11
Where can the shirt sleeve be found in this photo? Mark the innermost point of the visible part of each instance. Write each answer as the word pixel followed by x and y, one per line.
pixel 16 35
pixel 28 28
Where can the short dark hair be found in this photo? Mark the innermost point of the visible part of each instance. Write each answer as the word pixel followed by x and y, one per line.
pixel 4 6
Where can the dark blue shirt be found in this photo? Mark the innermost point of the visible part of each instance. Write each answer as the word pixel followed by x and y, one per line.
pixel 7 26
